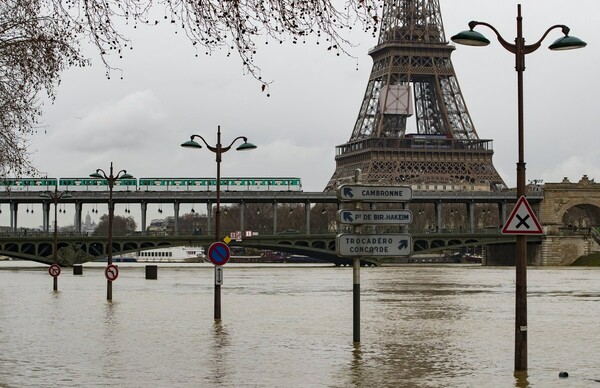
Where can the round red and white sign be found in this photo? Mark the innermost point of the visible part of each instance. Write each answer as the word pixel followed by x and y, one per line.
pixel 111 272
pixel 54 270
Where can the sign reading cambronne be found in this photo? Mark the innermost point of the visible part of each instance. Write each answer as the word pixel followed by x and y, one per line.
pixel 374 193
pixel 374 245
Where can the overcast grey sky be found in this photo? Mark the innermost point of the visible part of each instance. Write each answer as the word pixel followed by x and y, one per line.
pixel 167 94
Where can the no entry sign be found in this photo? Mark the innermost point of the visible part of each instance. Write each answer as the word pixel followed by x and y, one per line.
pixel 219 253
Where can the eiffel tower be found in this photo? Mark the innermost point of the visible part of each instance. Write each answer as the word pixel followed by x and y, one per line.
pixel 412 76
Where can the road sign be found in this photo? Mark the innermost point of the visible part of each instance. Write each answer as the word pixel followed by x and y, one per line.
pixel 111 272
pixel 522 220
pixel 359 217
pixel 374 245
pixel 54 270
pixel 219 253
pixel 218 275
pixel 374 193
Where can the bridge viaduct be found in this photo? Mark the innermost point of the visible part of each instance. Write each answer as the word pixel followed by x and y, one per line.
pixel 568 213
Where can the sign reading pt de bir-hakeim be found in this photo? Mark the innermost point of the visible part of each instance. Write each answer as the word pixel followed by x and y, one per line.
pixel 387 217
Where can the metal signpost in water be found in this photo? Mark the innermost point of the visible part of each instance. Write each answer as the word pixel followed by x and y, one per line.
pixel 357 245
pixel 519 49
pixel 54 269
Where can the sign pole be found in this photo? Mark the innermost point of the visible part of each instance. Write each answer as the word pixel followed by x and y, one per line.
pixel 218 254
pixel 357 244
pixel 356 299
pixel 356 275
pixel 218 282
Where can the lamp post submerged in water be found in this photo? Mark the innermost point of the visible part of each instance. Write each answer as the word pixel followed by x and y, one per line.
pixel 55 196
pixel 218 150
pixel 111 178
pixel 519 49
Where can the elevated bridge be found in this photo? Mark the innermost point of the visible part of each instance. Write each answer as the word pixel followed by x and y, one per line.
pixel 83 201
pixel 568 212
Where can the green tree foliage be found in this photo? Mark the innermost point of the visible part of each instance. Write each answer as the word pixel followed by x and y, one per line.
pixel 121 226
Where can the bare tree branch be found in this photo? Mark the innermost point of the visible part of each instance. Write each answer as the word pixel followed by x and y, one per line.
pixel 232 25
pixel 34 49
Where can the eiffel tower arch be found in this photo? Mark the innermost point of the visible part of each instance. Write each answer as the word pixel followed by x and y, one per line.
pixel 413 82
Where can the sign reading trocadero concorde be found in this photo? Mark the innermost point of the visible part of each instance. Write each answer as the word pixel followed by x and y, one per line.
pixel 374 245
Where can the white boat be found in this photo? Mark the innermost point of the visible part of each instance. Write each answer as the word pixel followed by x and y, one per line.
pixel 172 255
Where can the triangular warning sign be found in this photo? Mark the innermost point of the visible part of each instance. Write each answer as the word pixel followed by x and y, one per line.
pixel 522 220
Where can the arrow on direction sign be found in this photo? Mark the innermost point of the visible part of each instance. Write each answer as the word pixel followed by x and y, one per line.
pixel 348 192
pixel 403 244
pixel 347 216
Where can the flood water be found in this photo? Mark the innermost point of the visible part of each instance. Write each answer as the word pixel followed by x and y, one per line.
pixel 291 326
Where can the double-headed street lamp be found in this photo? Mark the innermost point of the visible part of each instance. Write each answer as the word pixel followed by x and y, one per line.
pixel 218 150
pixel 55 196
pixel 519 49
pixel 111 178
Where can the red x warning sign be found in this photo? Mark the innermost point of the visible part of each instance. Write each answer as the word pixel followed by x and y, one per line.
pixel 522 220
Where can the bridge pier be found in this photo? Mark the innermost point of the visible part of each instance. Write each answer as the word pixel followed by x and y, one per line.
pixel 471 216
pixel 274 217
pixel 307 216
pixel 46 216
pixel 77 219
pixel 209 218
pixel 176 217
pixel 144 211
pixel 14 210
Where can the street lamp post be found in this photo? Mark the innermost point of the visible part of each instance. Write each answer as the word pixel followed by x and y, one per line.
pixel 111 178
pixel 519 49
pixel 55 196
pixel 218 150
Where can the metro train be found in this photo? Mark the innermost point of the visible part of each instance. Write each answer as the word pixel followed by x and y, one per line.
pixel 152 184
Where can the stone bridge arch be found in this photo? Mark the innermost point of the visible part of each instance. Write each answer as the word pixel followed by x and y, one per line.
pixel 581 215
pixel 567 204
pixel 569 213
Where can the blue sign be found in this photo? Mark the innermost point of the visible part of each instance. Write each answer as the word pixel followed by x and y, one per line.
pixel 219 253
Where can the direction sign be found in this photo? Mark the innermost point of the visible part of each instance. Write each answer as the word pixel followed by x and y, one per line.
pixel 374 245
pixel 374 193
pixel 54 270
pixel 359 217
pixel 111 272
pixel 522 220
pixel 219 253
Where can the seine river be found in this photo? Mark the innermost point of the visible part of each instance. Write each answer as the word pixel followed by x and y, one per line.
pixel 291 326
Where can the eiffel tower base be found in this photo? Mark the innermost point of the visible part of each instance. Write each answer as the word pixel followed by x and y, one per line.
pixel 447 165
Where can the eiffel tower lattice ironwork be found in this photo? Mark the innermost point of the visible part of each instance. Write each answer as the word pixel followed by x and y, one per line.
pixel 412 75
